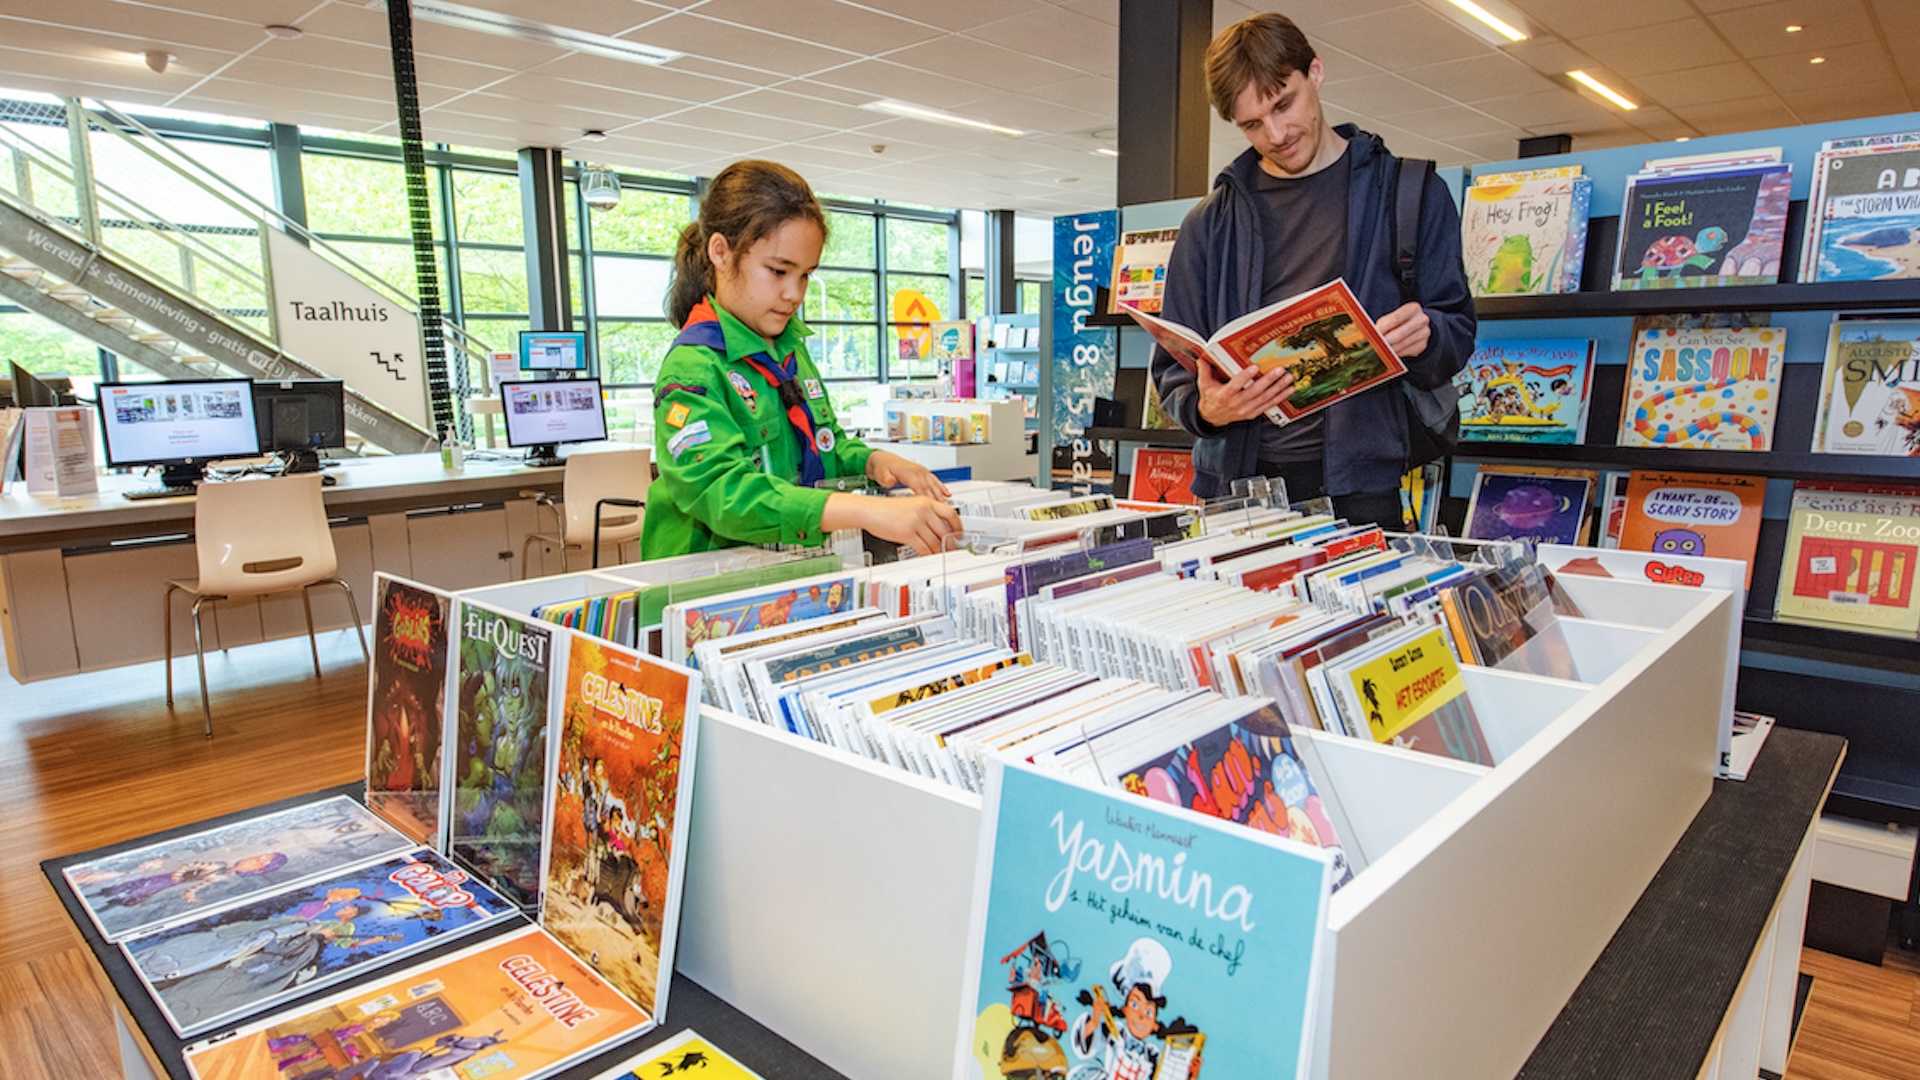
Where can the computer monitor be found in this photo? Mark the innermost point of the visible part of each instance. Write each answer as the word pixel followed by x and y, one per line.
pixel 298 418
pixel 553 350
pixel 179 426
pixel 542 415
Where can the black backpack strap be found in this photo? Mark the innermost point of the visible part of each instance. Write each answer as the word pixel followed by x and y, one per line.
pixel 1408 179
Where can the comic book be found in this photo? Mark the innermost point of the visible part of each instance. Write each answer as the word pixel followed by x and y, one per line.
pixel 624 776
pixel 135 891
pixel 1413 695
pixel 1531 390
pixel 683 1053
pixel 500 755
pixel 406 705
pixel 1703 389
pixel 1870 389
pixel 685 625
pixel 221 968
pixel 1118 936
pixel 514 1007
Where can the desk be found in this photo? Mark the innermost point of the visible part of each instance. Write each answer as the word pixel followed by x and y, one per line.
pixel 149 1050
pixel 70 569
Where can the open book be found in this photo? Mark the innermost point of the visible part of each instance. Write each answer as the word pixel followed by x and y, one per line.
pixel 1323 335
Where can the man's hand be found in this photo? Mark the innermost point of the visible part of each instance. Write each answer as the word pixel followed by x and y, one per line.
pixel 1248 394
pixel 891 470
pixel 1406 329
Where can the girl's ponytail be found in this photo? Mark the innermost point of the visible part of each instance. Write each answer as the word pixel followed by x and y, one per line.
pixel 692 273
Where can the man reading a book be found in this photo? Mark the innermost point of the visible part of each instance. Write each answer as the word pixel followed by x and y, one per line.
pixel 1305 204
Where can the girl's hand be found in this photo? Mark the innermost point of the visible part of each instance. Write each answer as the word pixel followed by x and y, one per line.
pixel 918 521
pixel 891 470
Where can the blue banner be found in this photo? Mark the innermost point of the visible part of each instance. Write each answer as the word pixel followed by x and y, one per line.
pixel 1084 358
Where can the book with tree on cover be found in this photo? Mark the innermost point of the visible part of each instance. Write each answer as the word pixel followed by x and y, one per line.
pixel 1850 559
pixel 1672 513
pixel 1322 335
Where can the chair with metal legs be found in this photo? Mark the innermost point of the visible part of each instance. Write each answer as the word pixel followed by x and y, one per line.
pixel 602 497
pixel 252 538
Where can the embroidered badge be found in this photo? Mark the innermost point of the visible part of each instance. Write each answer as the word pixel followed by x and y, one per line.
pixel 677 416
pixel 690 436
pixel 674 387
pixel 743 388
pixel 813 389
pixel 823 440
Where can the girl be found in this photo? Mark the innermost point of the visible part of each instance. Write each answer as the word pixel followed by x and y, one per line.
pixel 743 427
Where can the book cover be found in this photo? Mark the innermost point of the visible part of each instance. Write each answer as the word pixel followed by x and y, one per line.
pixel 406 705
pixel 1162 476
pixel 1673 513
pixel 1870 389
pixel 496 826
pixel 1527 237
pixel 1245 772
pixel 687 1052
pixel 135 891
pixel 221 968
pixel 515 1007
pixel 625 768
pixel 950 340
pixel 1850 561
pixel 1154 416
pixel 1703 389
pixel 1524 506
pixel 1116 936
pixel 1414 696
pixel 1867 210
pixel 1322 335
pixel 1530 390
pixel 1026 578
pixel 740 613
pixel 1688 229
pixel 1140 270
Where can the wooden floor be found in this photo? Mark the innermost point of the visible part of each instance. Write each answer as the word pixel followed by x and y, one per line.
pixel 96 759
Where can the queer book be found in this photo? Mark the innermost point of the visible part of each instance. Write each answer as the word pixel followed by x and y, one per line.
pixel 1703 389
pixel 1248 772
pixel 135 891
pixel 1703 227
pixel 406 705
pixel 619 828
pixel 500 753
pixel 1670 513
pixel 1161 476
pixel 687 1053
pixel 1413 695
pixel 1528 506
pixel 221 968
pixel 1531 390
pixel 1527 237
pixel 1140 270
pixel 1116 936
pixel 1870 389
pixel 1850 560
pixel 1322 335
pixel 1864 211
pixel 515 1007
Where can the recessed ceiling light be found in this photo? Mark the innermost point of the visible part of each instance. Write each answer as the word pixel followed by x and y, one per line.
pixel 284 32
pixel 1602 89
pixel 1106 151
pixel 1683 138
pixel 593 135
pixel 559 37
pixel 921 112
pixel 1489 19
pixel 1794 28
pixel 1817 60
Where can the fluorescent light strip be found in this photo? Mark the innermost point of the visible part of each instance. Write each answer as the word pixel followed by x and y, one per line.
pixel 918 112
pixel 1103 151
pixel 1601 88
pixel 1499 25
pixel 560 37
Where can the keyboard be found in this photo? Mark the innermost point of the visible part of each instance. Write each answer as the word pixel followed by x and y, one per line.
pixel 161 492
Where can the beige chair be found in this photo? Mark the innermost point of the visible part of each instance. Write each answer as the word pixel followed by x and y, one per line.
pixel 602 497
pixel 255 537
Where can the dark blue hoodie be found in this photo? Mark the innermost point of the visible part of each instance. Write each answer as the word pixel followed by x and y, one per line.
pixel 1214 277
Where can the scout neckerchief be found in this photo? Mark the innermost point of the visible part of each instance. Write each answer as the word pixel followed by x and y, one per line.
pixel 703 328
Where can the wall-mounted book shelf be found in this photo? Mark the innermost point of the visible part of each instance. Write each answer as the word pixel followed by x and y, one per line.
pixel 1792 296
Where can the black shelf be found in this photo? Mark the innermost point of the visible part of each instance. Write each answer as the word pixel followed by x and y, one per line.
pixel 1821 296
pixel 1780 464
pixel 1834 644
pixel 1161 436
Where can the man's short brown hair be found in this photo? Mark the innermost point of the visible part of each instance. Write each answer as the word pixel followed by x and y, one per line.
pixel 1263 52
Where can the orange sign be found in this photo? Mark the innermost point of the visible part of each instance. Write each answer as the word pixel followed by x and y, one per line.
pixel 912 306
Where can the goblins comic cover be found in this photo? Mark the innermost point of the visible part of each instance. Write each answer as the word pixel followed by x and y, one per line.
pixel 625 767
pixel 217 970
pixel 136 891
pixel 500 750
pixel 515 1007
pixel 406 705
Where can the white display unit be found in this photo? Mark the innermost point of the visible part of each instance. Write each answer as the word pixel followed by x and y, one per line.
pixel 827 895
pixel 1002 457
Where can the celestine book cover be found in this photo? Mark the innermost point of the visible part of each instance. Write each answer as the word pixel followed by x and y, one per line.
pixel 1117 936
pixel 500 755
pixel 406 705
pixel 514 1007
pixel 1531 390
pixel 618 836
pixel 1703 389
pixel 1870 389
pixel 1850 559
pixel 1673 513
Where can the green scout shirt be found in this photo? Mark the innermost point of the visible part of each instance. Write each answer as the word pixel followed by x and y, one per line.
pixel 728 458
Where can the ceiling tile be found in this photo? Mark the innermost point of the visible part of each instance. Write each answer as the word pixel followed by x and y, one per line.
pixel 1306 14
pixel 1762 30
pixel 1659 125
pixel 1669 46
pixel 1898 18
pixel 1711 6
pixel 1742 114
pixel 1452 120
pixel 676 79
pixel 1713 82
pixel 886 79
pixel 982 62
pixel 1549 112
pixel 1093 44
pixel 574 118
pixel 1846 65
pixel 948 15
pixel 711 39
pixel 1570 19
pixel 786 104
pixel 1907 56
pixel 1402 37
pixel 546 88
pixel 867 31
pixel 1549 56
pixel 1104 10
pixel 1382 95
pixel 1826 104
pixel 765 128
pixel 128 28
pixel 1479 78
pixel 1087 93
pixel 109 48
pixel 1490 147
